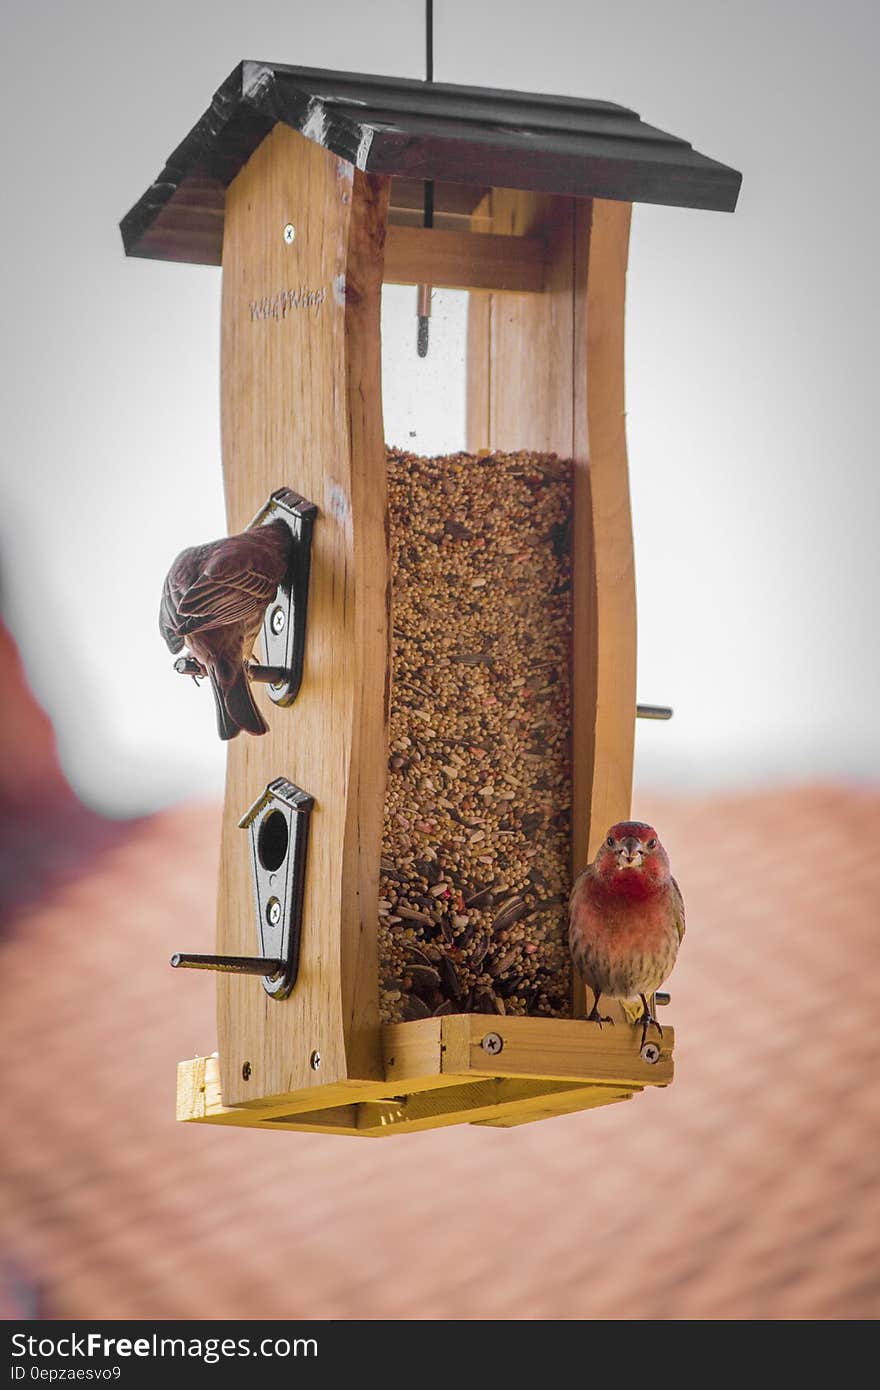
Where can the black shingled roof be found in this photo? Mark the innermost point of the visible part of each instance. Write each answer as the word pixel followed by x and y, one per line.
pixel 416 130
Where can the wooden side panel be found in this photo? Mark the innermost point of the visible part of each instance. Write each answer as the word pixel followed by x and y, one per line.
pixel 604 584
pixel 301 407
pixel 412 1049
pixel 560 1049
pixel 546 372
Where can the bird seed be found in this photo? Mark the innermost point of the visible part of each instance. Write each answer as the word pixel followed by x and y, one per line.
pixel 475 870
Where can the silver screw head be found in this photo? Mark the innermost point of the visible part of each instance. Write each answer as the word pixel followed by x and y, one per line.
pixel 492 1043
pixel 277 620
pixel 650 1053
pixel 289 234
pixel 315 1060
pixel 273 912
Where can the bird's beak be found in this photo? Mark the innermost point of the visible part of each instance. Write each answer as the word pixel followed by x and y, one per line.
pixel 631 853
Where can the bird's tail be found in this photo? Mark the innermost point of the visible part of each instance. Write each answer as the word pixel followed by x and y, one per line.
pixel 236 708
pixel 632 1008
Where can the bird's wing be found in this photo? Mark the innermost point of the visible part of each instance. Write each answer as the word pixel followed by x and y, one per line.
pixel 678 908
pixel 217 603
pixel 184 571
pixel 578 884
pixel 234 586
pixel 169 618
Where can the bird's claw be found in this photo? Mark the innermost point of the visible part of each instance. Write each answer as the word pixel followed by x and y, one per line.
pixel 647 1019
pixel 188 666
pixel 595 1017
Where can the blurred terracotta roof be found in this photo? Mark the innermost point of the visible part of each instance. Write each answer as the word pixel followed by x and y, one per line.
pixel 46 835
pixel 748 1189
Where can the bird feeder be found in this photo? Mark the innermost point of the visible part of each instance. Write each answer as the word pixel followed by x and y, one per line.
pixel 308 188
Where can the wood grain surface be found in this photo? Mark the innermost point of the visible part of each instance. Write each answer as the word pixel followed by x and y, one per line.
pixel 604 589
pixel 301 407
pixel 439 1073
pixel 463 260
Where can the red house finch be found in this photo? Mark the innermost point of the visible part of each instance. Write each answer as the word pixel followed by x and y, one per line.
pixel 626 919
pixel 214 600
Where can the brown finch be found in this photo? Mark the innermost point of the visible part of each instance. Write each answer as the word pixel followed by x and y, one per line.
pixel 626 919
pixel 214 600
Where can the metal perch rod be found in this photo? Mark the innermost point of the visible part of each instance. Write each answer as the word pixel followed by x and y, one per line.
pixel 267 675
pixel 232 965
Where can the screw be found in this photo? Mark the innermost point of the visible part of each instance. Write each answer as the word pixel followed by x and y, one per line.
pixel 289 234
pixel 492 1043
pixel 315 1061
pixel 273 912
pixel 277 620
pixel 650 1053
pixel 246 1072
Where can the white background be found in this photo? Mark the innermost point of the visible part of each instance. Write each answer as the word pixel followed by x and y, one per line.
pixel 751 371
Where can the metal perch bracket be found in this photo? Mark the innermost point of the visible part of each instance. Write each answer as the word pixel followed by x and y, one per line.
pixel 284 626
pixel 278 823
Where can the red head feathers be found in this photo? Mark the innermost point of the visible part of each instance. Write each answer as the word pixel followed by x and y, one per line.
pixel 631 859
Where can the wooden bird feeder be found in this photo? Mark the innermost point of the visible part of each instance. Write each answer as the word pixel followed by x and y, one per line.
pixel 307 187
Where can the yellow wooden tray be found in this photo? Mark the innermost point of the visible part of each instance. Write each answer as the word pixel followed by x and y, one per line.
pixel 458 1069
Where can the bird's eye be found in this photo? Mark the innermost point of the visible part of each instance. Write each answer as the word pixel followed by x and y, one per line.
pixel 652 844
pixel 610 842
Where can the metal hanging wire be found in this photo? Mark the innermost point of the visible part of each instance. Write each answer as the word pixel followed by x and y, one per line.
pixel 423 292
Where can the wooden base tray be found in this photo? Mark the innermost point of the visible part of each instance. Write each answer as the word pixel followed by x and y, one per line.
pixel 457 1069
